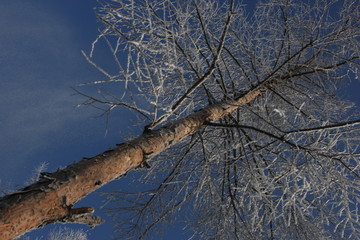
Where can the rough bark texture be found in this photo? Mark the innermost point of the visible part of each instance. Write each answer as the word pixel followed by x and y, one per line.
pixel 51 198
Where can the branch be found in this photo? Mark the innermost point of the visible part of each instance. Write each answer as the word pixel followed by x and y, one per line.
pixel 205 76
pixel 294 145
pixel 327 127
pixel 113 104
pixel 82 215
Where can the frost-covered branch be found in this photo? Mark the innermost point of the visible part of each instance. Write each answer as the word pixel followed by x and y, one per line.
pixel 282 166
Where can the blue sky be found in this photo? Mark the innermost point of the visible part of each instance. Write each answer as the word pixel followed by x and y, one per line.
pixel 40 60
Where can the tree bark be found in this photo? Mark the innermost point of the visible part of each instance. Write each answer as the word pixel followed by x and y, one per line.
pixel 51 198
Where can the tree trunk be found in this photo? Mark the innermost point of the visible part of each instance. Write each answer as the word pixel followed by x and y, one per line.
pixel 51 198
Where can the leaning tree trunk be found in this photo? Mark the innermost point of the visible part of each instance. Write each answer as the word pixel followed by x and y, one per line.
pixel 51 198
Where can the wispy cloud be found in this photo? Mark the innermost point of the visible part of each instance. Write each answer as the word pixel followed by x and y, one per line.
pixel 39 60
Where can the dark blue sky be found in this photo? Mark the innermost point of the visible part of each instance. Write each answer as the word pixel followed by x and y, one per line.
pixel 40 60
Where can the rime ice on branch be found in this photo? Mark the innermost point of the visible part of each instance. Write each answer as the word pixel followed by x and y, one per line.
pixel 245 129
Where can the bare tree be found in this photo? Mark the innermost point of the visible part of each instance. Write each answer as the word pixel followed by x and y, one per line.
pixel 266 147
pixel 63 234
pixel 67 234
